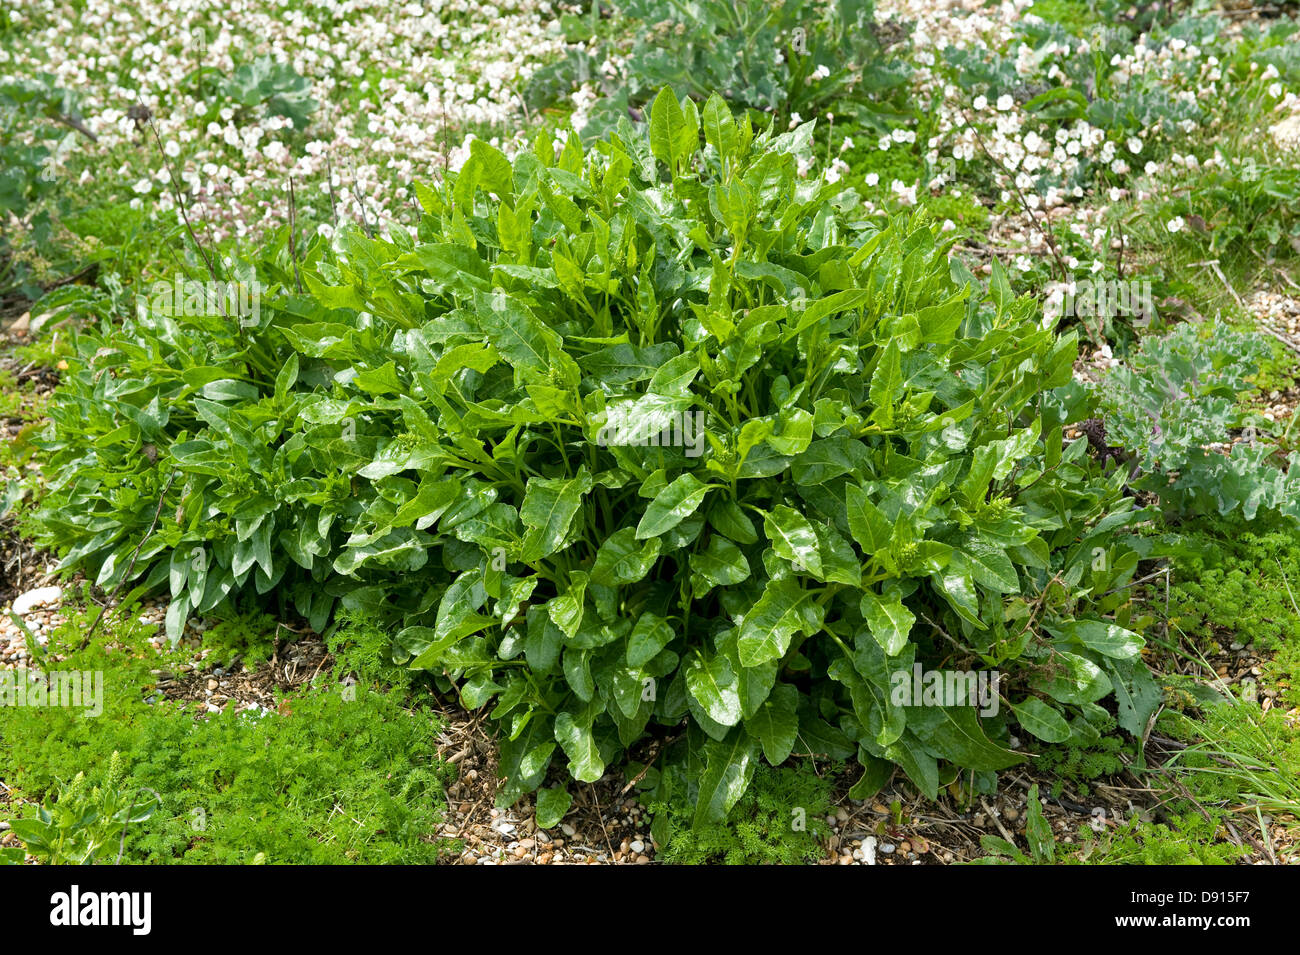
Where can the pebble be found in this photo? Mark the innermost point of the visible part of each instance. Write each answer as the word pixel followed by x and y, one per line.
pixel 868 851
pixel 637 846
pixel 40 597
pixel 887 848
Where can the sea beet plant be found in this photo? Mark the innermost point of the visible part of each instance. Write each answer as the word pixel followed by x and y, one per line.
pixel 656 439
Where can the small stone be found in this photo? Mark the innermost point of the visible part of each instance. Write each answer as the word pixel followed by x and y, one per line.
pixel 887 848
pixel 1011 814
pixel 213 684
pixel 637 846
pixel 526 843
pixel 568 830
pixel 868 850
pixel 41 596
pixel 642 860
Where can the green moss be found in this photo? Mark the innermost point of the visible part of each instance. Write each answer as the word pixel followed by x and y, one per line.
pixel 1235 580
pixel 781 820
pixel 1188 839
pixel 1075 15
pixel 364 650
pixel 327 778
pixel 250 636
pixel 1077 764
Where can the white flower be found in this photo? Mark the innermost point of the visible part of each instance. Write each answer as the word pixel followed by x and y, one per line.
pixel 1134 145
pixel 143 187
pixel 906 196
pixel 1175 224
pixel 1005 103
pixel 872 179
pixel 981 103
pixel 172 149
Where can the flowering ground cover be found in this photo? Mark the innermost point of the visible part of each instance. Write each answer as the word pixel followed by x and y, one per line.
pixel 664 421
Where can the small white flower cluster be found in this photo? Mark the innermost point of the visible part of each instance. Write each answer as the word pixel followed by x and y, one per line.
pixel 1052 169
pixel 398 87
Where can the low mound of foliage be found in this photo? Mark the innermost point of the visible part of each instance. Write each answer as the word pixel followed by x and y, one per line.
pixel 657 439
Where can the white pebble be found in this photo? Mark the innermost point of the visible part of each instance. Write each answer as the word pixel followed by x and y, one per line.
pixel 40 597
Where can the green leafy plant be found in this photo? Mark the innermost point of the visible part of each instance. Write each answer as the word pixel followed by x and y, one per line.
pixel 1176 408
pixel 784 59
pixel 1038 835
pixel 30 151
pixel 274 86
pixel 651 434
pixel 86 821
